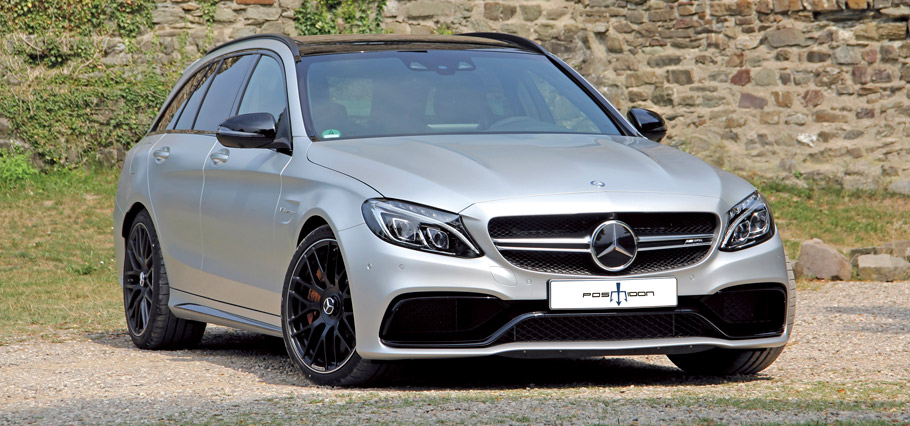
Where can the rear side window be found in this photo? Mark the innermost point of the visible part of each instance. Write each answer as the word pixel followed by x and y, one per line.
pixel 266 90
pixel 188 113
pixel 219 101
pixel 182 99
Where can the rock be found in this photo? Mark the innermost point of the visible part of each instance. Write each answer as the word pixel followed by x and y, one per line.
pixel 819 260
pixel 747 100
pixel 815 56
pixel 223 13
pixel 786 37
pixel 881 75
pixel 13 145
pixel 495 11
pixel 888 53
pixel 742 77
pixel 813 98
pixel 870 55
pixel 663 96
pixel 4 126
pixel 167 15
pixel 263 13
pixel 663 14
pixel 765 77
pixel 429 9
pixel 896 12
pixel 900 186
pixel 894 248
pixel 824 116
pixel 664 60
pixel 882 267
pixel 680 76
pixel 861 74
pixel 782 99
pixel 855 253
pixel 530 12
pixel 846 55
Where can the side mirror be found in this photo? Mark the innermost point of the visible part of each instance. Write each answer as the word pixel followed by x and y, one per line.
pixel 255 130
pixel 649 123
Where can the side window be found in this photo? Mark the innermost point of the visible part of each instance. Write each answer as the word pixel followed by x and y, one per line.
pixel 219 100
pixel 184 119
pixel 178 104
pixel 266 90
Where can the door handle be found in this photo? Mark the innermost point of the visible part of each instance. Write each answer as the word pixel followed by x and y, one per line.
pixel 162 154
pixel 219 157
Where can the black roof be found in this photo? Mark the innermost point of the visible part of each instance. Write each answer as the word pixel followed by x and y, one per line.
pixel 323 44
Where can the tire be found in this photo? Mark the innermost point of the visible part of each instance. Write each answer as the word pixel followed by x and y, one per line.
pixel 319 335
pixel 726 362
pixel 146 291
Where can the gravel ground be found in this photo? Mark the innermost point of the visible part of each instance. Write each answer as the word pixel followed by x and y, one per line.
pixel 849 360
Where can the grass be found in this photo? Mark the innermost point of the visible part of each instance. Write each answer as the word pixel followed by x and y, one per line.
pixel 57 271
pixel 56 251
pixel 844 219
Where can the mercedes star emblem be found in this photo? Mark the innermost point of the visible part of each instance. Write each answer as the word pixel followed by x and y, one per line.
pixel 613 245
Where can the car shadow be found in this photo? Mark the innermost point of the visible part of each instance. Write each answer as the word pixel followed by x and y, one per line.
pixel 266 357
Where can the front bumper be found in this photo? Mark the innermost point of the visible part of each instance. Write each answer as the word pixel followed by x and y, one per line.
pixel 380 272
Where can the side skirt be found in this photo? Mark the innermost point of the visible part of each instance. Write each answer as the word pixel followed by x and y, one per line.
pixel 192 307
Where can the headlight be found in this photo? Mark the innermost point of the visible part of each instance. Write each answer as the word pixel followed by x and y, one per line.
pixel 419 228
pixel 750 223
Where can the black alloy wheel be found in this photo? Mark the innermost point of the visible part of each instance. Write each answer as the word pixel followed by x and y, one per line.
pixel 318 316
pixel 138 275
pixel 146 292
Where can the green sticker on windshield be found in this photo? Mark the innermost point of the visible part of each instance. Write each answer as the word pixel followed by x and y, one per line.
pixel 331 133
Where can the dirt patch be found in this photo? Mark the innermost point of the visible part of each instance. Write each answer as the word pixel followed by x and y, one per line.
pixel 848 360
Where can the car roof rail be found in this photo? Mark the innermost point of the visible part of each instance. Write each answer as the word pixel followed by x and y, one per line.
pixel 289 42
pixel 512 39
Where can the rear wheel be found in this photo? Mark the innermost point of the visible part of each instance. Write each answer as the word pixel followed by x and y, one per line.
pixel 317 316
pixel 726 362
pixel 146 292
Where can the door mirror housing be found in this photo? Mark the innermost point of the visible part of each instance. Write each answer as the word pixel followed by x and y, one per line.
pixel 649 123
pixel 254 130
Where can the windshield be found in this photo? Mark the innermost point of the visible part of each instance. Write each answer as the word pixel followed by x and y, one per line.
pixel 388 93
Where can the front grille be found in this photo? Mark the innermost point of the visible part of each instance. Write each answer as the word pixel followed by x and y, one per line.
pixel 560 244
pixel 576 225
pixel 607 327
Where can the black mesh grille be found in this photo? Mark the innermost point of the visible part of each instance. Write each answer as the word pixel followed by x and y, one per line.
pixel 739 312
pixel 579 225
pixel 598 327
pixel 583 263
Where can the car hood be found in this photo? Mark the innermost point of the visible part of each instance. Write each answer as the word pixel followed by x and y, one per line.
pixel 451 172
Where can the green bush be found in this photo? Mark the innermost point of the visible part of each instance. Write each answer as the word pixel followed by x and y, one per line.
pixel 15 168
pixel 317 17
pixel 67 119
pixel 84 17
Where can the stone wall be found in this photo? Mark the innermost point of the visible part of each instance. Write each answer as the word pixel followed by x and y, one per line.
pixel 791 90
pixel 783 89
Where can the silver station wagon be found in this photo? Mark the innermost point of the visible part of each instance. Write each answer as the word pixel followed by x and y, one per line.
pixel 372 199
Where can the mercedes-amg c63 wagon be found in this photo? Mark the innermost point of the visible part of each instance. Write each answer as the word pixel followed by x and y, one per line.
pixel 373 199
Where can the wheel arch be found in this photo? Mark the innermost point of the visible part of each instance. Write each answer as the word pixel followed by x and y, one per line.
pixel 130 215
pixel 311 223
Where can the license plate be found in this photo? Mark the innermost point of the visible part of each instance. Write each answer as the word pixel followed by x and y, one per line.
pixel 613 294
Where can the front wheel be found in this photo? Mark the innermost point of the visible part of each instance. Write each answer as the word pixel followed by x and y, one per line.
pixel 726 362
pixel 317 316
